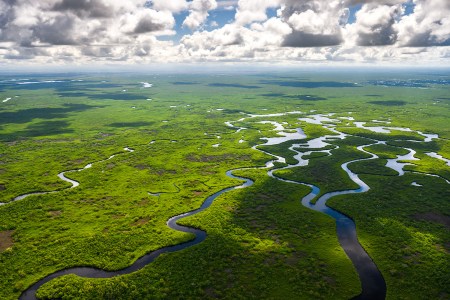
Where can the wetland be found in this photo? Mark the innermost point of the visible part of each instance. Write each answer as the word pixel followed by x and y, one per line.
pixel 230 186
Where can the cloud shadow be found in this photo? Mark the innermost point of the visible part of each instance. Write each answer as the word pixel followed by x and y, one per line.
pixel 310 84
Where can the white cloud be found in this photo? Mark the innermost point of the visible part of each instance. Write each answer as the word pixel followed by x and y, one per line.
pixel 429 25
pixel 379 2
pixel 174 6
pixel 208 40
pixel 315 23
pixel 227 4
pixel 53 22
pixel 147 21
pixel 311 22
pixel 249 11
pixel 198 12
pixel 374 26
pixel 273 26
pixel 100 31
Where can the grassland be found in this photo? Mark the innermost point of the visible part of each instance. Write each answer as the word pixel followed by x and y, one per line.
pixel 261 242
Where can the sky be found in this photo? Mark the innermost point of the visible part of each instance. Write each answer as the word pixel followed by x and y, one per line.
pixel 270 32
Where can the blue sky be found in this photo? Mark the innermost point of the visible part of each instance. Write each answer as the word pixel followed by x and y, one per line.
pixel 225 15
pixel 77 32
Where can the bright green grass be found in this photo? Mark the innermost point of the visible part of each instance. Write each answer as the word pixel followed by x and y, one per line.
pixel 261 242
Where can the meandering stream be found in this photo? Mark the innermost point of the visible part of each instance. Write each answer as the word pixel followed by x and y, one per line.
pixel 200 236
pixel 63 177
pixel 372 281
pixel 373 284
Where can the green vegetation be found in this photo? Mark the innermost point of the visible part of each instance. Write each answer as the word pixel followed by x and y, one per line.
pixel 326 172
pixel 406 233
pixel 386 151
pixel 374 167
pixel 262 243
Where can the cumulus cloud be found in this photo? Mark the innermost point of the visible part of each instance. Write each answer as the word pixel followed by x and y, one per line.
pixel 315 23
pixel 429 25
pixel 249 11
pixel 274 26
pixel 303 39
pixel 207 40
pixel 149 20
pixel 174 6
pixel 234 41
pixel 83 22
pixel 379 2
pixel 198 12
pixel 86 8
pixel 68 31
pixel 375 25
pixel 56 31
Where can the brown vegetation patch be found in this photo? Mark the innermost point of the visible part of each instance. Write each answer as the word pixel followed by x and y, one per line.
pixel 88 200
pixel 143 202
pixel 272 259
pixel 141 221
pixel 141 167
pixel 162 172
pixel 110 166
pixel 435 218
pixel 210 292
pixel 445 247
pixel 330 280
pixel 198 193
pixel 2 187
pixel 192 183
pixel 206 171
pixel 116 217
pixel 106 134
pixel 78 161
pixel 54 213
pixel 261 207
pixel 230 208
pixel 12 143
pixel 263 196
pixel 6 240
pixel 413 258
pixel 254 224
pixel 2 171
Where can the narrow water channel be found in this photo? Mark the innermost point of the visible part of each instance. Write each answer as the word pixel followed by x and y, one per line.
pixel 200 236
pixel 372 281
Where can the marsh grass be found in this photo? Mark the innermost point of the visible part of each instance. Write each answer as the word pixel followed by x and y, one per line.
pixel 261 242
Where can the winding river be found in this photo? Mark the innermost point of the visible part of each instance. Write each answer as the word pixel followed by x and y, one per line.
pixel 372 281
pixel 63 177
pixel 200 236
pixel 373 285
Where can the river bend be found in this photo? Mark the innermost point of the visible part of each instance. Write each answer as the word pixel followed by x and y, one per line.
pixel 200 236
pixel 372 281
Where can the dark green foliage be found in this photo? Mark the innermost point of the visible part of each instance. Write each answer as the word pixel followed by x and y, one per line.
pixel 389 103
pixel 310 84
pixel 405 232
pixel 261 244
